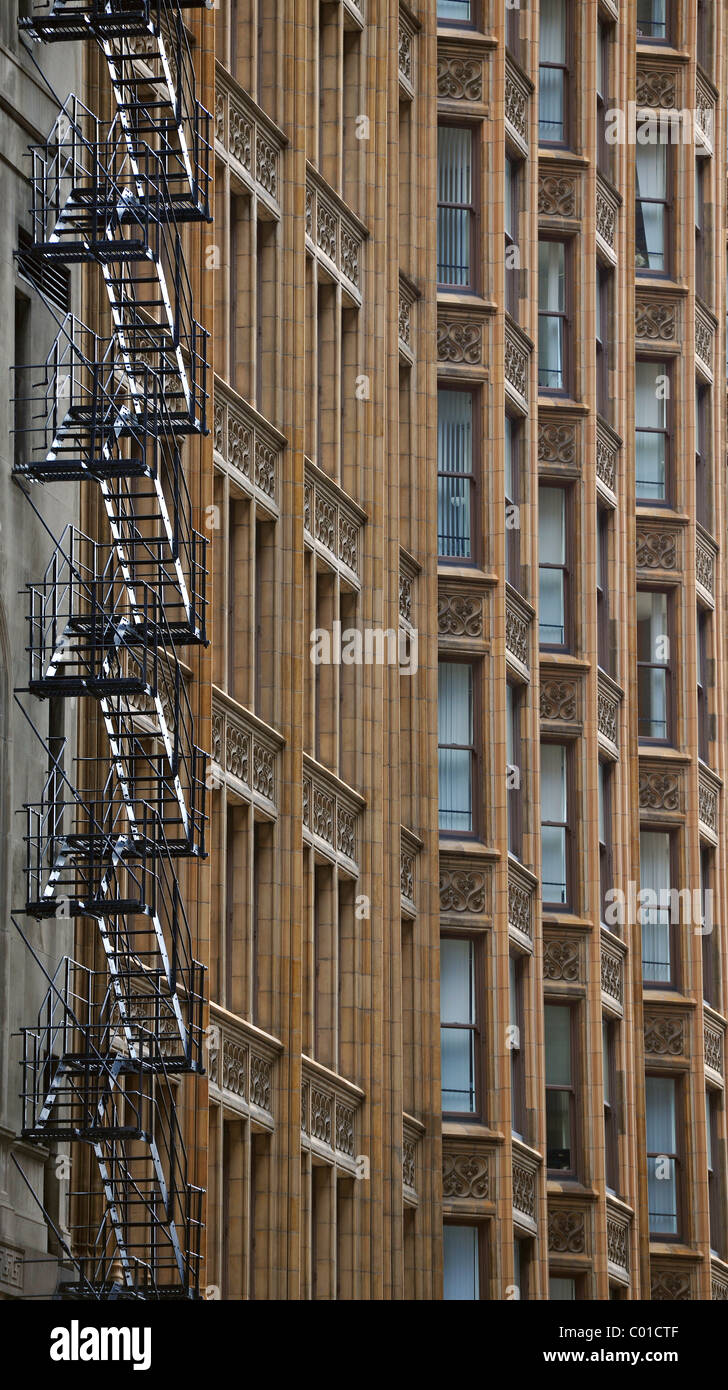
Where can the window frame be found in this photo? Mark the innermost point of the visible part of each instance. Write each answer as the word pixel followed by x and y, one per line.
pixel 565 317
pixel 472 23
pixel 477 1029
pixel 476 802
pixel 666 39
pixel 675 978
pixel 481 1227
pixel 604 151
pixel 716 1177
pixel 667 364
pixel 476 146
pixel 701 240
pixel 648 740
pixel 678 1157
pixel 572 1090
pixel 566 567
pixel 475 476
pixel 566 68
pixel 548 904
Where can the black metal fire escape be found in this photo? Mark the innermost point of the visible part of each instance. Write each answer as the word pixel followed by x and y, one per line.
pixel 107 621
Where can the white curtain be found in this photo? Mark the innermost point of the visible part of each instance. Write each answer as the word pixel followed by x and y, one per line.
pixel 551 551
pixel 454 185
pixel 455 725
pixel 457 1005
pixel 460 1263
pixel 553 808
pixel 454 456
pixel 652 686
pixel 655 875
pixel 661 1141
pixel 551 301
pixel 552 49
pixel 651 184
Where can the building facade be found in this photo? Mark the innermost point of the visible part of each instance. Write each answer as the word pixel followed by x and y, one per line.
pixel 462 504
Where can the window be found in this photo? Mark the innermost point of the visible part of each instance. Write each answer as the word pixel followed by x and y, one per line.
pixel 560 1094
pixel 513 31
pixel 704 35
pixel 715 1203
pixel 518 1059
pixel 513 500
pixel 455 475
pixel 651 208
pixel 555 834
pixel 703 507
pixel 552 73
pixel 709 941
pixel 552 567
pixel 511 235
pixel 652 19
pixel 702 630
pixel 456 752
pixel 653 665
pixel 459 1033
pixel 552 320
pixel 562 1287
pixel 604 160
pixel 603 652
pixel 522 1256
pixel 462 1255
pixel 652 393
pixel 700 246
pixel 603 287
pixel 605 834
pixel 609 1081
pixel 513 770
pixel 455 210
pixel 454 11
pixel 662 1156
pixel 655 910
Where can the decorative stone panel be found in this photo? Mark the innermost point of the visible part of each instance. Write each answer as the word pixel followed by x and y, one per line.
pixel 460 75
pixel 12 1268
pixel 523 1173
pixel 245 751
pixel 560 699
pixel 406 55
pixel 518 630
pixel 460 340
pixel 618 1239
pixel 713 1046
pixel 659 548
pixel 670 1284
pixel 521 897
pixel 334 234
pixel 708 792
pixel 657 318
pixel 250 449
pixel 333 524
pixel 666 1034
pixel 558 195
pixel 705 103
pixel 608 446
pixel 459 614
pixel 466 1175
pixel 517 362
pixel 563 960
pixel 241 1066
pixel 409 848
pixel 517 98
pixel 607 212
pixel 567 1230
pixel 330 1108
pixel 661 790
pixel 465 888
pixel 612 976
pixel 331 812
pixel 408 295
pixel 705 561
pixel 412 1132
pixel 558 440
pixel 657 87
pixel 250 141
pixel 719 1285
pixel 705 329
pixel 608 702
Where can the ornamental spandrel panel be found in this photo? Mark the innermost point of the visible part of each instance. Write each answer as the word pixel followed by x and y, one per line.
pixel 658 319
pixel 563 958
pixel 659 548
pixel 245 754
pixel 608 450
pixel 330 1108
pixel 709 789
pixel 460 338
pixel 248 140
pixel 667 1033
pixel 559 194
pixel 561 700
pixel 559 442
pixel 335 235
pixel 661 790
pixel 466 887
pixel 461 613
pixel 609 699
pixel 331 815
pixel 241 1067
pixel 619 1225
pixel 518 92
pixel 333 525
pixel 568 1229
pixel 612 975
pixel 467 1175
pixel 521 903
pixel 608 204
pixel 249 449
pixel 462 74
pixel 671 1283
pixel 714 1046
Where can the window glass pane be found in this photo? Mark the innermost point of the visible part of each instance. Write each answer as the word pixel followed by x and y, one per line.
pixel 455 723
pixel 708 1131
pixel 458 1070
pixel 553 782
pixel 509 484
pixel 508 199
pixel 558 1130
pixel 513 992
pixel 454 460
pixel 460 1263
pixel 606 1067
pixel 558 1045
pixel 454 186
pixel 509 725
pixel 453 9
pixel 457 984
pixel 652 648
pixel 650 210
pixel 551 302
pixel 650 404
pixel 457 1006
pixel 553 808
pixel 551 551
pixel 602 818
pixel 652 19
pixel 552 50
pixel 655 909
pixel 561 1288
pixel 661 1129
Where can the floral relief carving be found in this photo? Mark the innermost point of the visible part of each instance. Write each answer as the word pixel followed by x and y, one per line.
pixel 516 105
pixel 557 443
pixel 405 53
pixel 349 543
pixel 264 760
pixel 320 1121
pixel 556 195
pixel 657 550
pixel 219 428
pixel 667 1285
pixel 326 231
pixel 405 321
pixel 350 246
pixel 664 1035
pixel 459 615
pixel 567 1231
pixel 266 165
pixel 617 1243
pixel 460 79
pixel 460 342
pixel 704 565
pixel 713 1047
pixel 344 1129
pixel 517 630
pixel 237 752
pixel 346 836
pixel 612 973
pixel 719 1290
pixel 520 901
pixel 561 960
pixel 462 890
pixel 606 219
pixel 607 722
pixel 655 320
pixel 407 875
pixel 241 137
pixel 409 1162
pixel 260 1079
pixel 524 1189
pixel 559 700
pixel 239 438
pixel 656 87
pixel 234 1062
pixel 323 815
pixel 265 464
pixel 660 791
pixel 217 727
pixel 606 460
pixel 516 367
pixel 704 336
pixel 707 804
pixel 465 1175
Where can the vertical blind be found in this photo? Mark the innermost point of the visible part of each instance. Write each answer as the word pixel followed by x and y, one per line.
pixel 551 308
pixel 655 875
pixel 553 808
pixel 651 194
pixel 455 727
pixel 454 197
pixel 552 51
pixel 460 1263
pixel 455 473
pixel 457 1020
pixel 661 1125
